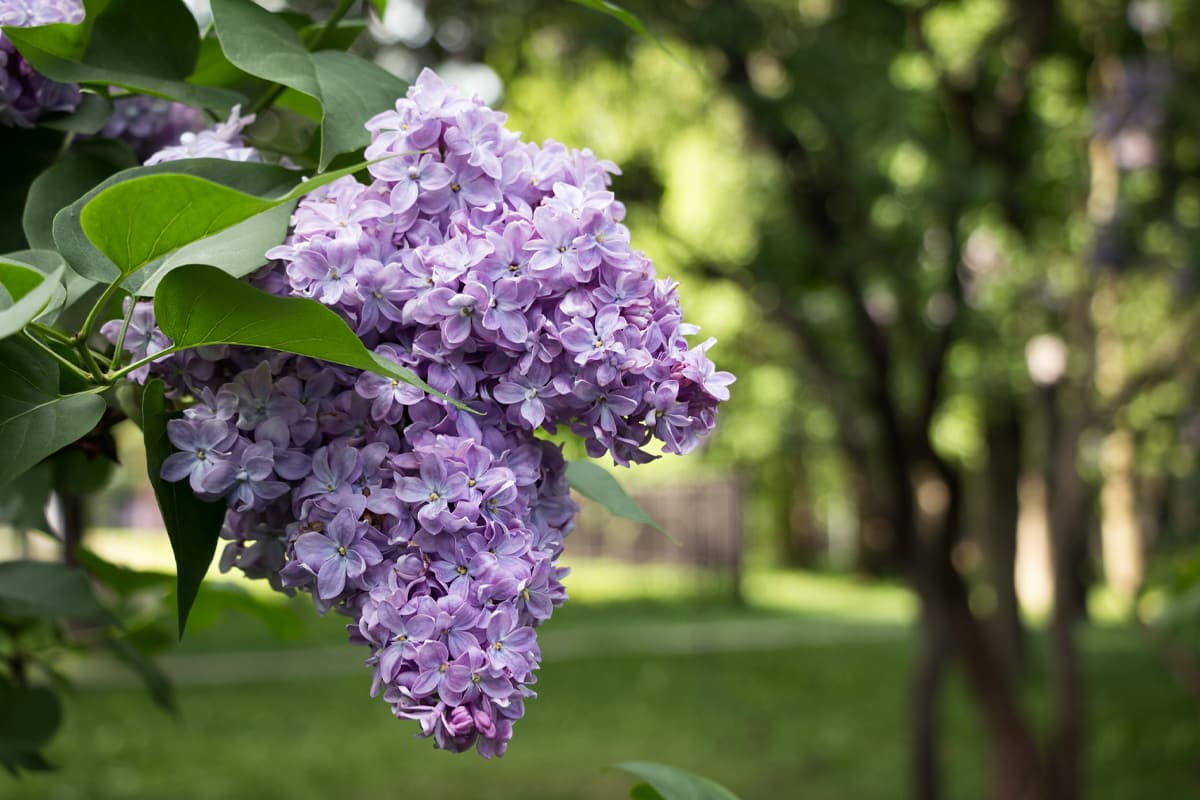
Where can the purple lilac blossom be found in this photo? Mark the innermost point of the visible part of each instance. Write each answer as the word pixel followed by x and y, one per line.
pixel 500 272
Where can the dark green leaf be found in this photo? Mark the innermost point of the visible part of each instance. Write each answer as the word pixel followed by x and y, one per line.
pixel 31 293
pixel 156 681
pixel 30 717
pixel 23 501
pixel 644 791
pixel 349 89
pixel 597 484
pixel 34 420
pixel 674 784
pixel 66 181
pixel 80 472
pixel 199 305
pixel 193 525
pixel 352 91
pixel 146 46
pixel 89 118
pixel 44 588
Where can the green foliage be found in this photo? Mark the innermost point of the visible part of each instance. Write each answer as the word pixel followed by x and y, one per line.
pixel 42 589
pixel 349 89
pixel 662 782
pixel 30 718
pixel 145 46
pixel 65 181
pixel 28 291
pixel 597 484
pixel 618 13
pixel 35 420
pixel 192 524
pixel 86 258
pixel 199 305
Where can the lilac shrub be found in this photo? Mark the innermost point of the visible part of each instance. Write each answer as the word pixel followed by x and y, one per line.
pixel 499 271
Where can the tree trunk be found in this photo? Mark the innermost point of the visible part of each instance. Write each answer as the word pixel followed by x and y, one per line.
pixel 1003 476
pixel 1069 523
pixel 74 523
pixel 925 690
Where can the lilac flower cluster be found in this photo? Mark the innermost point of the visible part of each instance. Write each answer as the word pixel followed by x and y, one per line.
pixel 25 94
pixel 499 272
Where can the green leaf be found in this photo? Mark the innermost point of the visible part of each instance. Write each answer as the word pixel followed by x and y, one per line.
pixel 625 17
pixel 380 7
pixel 200 305
pixel 671 783
pixel 34 420
pixel 237 251
pixel 31 717
pixel 193 525
pixel 82 255
pixel 68 179
pixel 89 118
pixel 47 589
pixel 146 46
pixel 23 501
pixel 137 221
pixel 51 266
pixel 597 484
pixel 352 91
pixel 31 293
pixel 82 170
pixel 349 89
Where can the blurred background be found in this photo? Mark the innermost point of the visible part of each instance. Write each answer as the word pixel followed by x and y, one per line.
pixel 948 529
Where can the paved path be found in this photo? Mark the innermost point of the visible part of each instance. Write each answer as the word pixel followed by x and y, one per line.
pixel 686 638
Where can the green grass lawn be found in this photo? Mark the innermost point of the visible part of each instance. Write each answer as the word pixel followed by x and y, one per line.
pixel 819 716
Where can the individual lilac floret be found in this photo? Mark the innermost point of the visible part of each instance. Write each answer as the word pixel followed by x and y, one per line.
pixel 500 272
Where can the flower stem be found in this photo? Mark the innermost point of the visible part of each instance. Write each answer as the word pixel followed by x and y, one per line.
pixel 128 368
pixel 70 365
